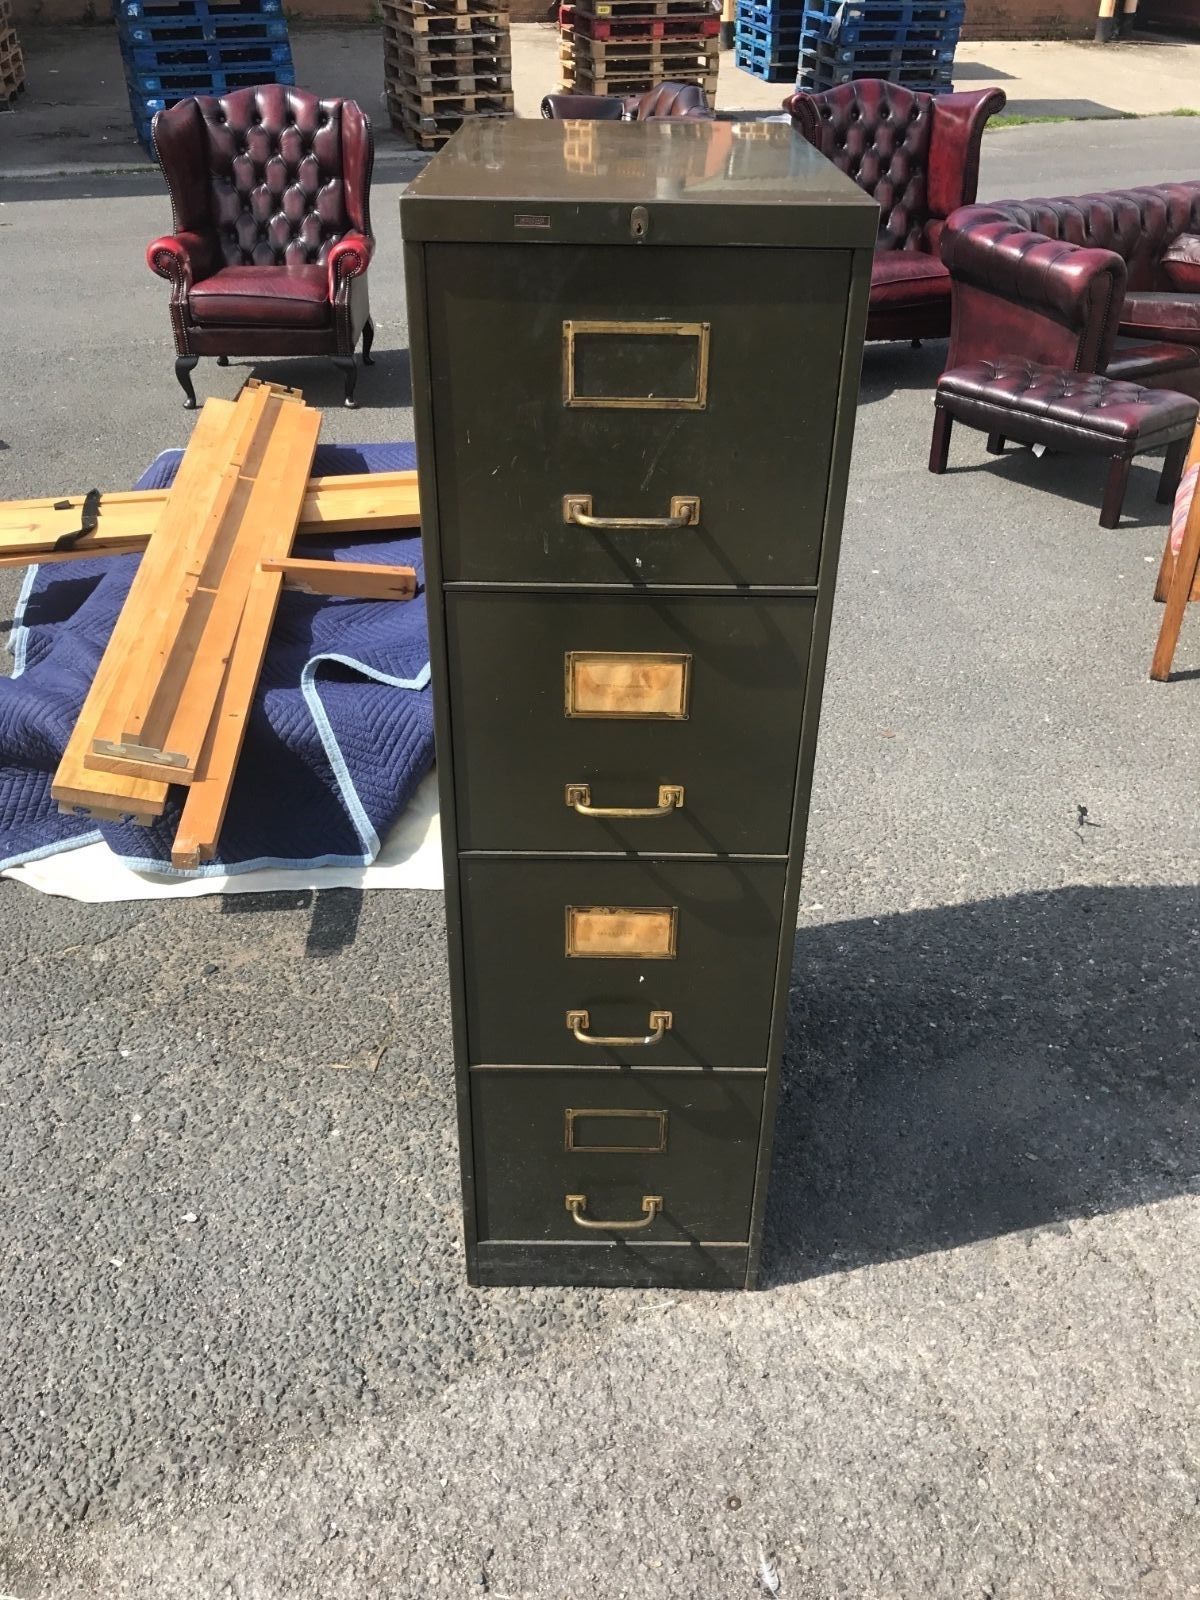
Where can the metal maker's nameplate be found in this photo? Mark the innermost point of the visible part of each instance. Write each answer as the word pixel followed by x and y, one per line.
pixel 622 933
pixel 608 683
pixel 640 366
pixel 602 1131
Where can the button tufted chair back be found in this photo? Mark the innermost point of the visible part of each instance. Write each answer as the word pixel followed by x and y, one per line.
pixel 272 176
pixel 878 134
pixel 916 154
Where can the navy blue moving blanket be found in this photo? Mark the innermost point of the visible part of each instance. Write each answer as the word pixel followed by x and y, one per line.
pixel 340 735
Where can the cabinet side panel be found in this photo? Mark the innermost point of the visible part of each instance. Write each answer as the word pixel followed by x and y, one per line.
pixel 835 505
pixel 418 335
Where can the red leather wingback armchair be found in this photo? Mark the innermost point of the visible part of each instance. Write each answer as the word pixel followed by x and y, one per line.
pixel 272 238
pixel 1058 281
pixel 666 100
pixel 918 156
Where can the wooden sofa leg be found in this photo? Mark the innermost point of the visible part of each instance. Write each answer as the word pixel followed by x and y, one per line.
pixel 1172 471
pixel 222 361
pixel 995 444
pixel 1114 491
pixel 368 341
pixel 184 366
pixel 939 445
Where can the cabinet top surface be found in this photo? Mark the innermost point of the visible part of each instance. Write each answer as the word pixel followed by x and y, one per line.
pixel 699 182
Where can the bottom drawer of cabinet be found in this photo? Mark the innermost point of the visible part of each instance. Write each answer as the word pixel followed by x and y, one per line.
pixel 648 1157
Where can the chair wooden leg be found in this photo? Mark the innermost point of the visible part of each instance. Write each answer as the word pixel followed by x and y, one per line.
pixel 183 371
pixel 1166 567
pixel 995 444
pixel 1114 491
pixel 368 341
pixel 349 369
pixel 1187 565
pixel 1172 471
pixel 939 445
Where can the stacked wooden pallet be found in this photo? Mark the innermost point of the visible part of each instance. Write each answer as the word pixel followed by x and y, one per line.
pixel 625 46
pixel 12 62
pixel 444 61
pixel 171 697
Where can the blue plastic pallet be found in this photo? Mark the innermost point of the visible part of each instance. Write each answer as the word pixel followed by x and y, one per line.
pixel 776 40
pixel 865 35
pixel 155 34
pixel 768 71
pixel 155 12
pixel 816 80
pixel 151 91
pixel 766 16
pixel 878 57
pixel 203 57
pixel 894 13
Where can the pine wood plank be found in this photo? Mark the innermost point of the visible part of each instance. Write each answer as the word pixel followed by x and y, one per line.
pixel 173 619
pixel 208 798
pixel 75 787
pixel 356 502
pixel 166 739
pixel 168 573
pixel 362 580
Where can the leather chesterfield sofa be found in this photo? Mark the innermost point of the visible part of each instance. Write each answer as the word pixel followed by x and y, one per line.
pixel 268 255
pixel 1105 283
pixel 918 156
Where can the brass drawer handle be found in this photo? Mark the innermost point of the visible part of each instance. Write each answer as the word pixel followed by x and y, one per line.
pixel 670 798
pixel 577 1204
pixel 685 513
pixel 579 1022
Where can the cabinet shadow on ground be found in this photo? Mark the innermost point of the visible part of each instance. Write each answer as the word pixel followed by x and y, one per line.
pixel 962 1073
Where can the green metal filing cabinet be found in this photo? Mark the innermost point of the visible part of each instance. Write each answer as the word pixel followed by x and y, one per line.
pixel 635 357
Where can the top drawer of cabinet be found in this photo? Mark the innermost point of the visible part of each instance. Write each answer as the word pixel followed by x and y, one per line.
pixel 615 415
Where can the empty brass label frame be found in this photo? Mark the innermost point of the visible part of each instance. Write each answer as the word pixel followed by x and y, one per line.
pixel 621 683
pixel 622 933
pixel 574 1143
pixel 699 331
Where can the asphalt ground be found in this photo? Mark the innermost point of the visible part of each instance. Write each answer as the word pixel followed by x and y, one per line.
pixel 238 1356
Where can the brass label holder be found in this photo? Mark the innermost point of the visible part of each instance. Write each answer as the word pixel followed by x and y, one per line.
pixel 574 1136
pixel 622 933
pixel 574 329
pixel 617 683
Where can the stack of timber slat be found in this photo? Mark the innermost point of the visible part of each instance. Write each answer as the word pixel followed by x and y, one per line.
pixel 12 62
pixel 175 48
pixel 625 46
pixel 170 701
pixel 445 61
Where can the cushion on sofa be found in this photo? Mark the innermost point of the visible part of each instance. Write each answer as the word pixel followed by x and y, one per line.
pixel 1180 263
pixel 901 277
pixel 1162 314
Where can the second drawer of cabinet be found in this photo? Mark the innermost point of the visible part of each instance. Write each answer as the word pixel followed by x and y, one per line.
pixel 654 963
pixel 565 708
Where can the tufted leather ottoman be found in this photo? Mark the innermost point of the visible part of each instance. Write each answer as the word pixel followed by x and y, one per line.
pixel 1009 397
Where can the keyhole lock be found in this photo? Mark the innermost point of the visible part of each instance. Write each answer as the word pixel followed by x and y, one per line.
pixel 639 223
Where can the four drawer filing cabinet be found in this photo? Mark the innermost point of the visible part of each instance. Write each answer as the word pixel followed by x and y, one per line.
pixel 635 357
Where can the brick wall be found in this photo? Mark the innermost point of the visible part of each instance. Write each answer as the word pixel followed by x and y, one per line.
pixel 1030 19
pixel 311 11
pixel 986 19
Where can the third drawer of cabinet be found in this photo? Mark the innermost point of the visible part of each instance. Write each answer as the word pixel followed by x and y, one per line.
pixel 685 712
pixel 653 963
